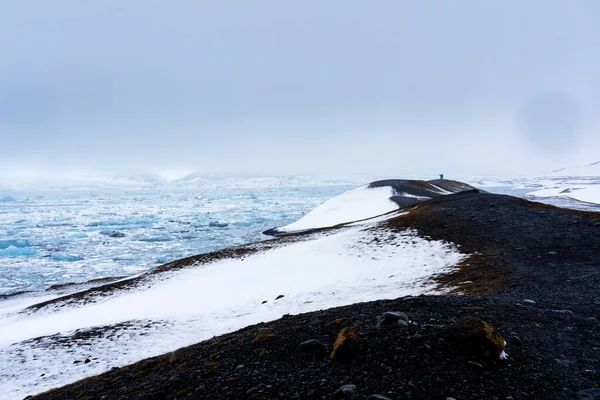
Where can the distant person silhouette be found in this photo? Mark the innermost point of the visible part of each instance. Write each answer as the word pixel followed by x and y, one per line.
pixel 441 176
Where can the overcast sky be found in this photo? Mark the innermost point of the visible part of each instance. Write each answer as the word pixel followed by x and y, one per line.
pixel 282 87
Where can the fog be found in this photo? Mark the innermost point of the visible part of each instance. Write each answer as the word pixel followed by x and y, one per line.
pixel 273 87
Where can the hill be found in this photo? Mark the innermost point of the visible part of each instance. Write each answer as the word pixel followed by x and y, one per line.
pixel 532 272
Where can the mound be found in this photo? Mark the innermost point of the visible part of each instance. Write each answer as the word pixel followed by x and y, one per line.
pixel 370 201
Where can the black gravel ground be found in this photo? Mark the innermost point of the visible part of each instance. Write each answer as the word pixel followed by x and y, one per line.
pixel 534 274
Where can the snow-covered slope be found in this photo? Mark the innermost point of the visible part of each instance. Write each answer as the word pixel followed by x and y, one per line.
pixel 57 345
pixel 354 205
pixel 370 201
pixel 591 170
pixel 577 182
pixel 587 192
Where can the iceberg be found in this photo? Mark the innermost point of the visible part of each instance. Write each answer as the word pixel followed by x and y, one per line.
pixel 13 251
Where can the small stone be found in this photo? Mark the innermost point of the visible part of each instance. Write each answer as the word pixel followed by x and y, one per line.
pixel 566 312
pixel 551 253
pixel 264 301
pixel 345 391
pixel 391 318
pixel 252 390
pixel 239 367
pixel 416 337
pixel 87 360
pixel 566 363
pixel 402 323
pixel 474 364
pixel 311 346
pixel 491 205
pixel 279 297
pixel 589 394
pixel 529 302
pixel 180 353
pixel 450 398
pixel 509 398
pixel 377 397
pixel 515 340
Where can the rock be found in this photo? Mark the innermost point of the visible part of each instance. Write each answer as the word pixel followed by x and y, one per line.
pixel 551 253
pixel 391 318
pixel 311 346
pixel 416 337
pixel 566 312
pixel 252 390
pixel 402 323
pixel 515 340
pixel 529 302
pixel 264 301
pixel 377 397
pixel 279 297
pixel 239 367
pixel 345 392
pixel 87 360
pixel 589 394
pixel 450 398
pixel 566 363
pixel 474 364
pixel 113 234
pixel 180 354
pixel 346 344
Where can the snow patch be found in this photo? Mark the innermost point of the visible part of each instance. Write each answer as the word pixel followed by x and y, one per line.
pixel 354 205
pixel 589 193
pixel 178 309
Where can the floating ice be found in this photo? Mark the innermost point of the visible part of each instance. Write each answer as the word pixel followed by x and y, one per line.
pixel 66 257
pixel 12 251
pixel 4 244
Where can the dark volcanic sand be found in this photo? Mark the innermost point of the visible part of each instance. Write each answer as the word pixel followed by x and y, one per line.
pixel 521 250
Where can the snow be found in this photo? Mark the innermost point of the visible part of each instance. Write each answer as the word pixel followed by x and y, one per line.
pixel 354 205
pixel 589 193
pixel 178 309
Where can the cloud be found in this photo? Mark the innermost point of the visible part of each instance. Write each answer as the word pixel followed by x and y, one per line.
pixel 273 86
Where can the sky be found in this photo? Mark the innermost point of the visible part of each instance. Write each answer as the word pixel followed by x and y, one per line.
pixel 290 87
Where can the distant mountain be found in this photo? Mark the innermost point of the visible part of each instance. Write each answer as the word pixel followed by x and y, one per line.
pixel 592 169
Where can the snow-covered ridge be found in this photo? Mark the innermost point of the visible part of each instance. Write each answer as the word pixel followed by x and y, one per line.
pixel 370 201
pixel 323 270
pixel 592 169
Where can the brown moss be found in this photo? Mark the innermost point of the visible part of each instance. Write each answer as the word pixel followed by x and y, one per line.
pixel 264 335
pixel 260 352
pixel 338 321
pixel 477 337
pixel 211 364
pixel 346 344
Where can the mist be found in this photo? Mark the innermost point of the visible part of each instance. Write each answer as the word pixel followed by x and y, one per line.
pixel 269 87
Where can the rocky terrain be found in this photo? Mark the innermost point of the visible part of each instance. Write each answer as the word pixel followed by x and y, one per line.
pixel 533 274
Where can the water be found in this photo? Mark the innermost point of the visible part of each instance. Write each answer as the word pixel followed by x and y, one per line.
pixel 57 237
